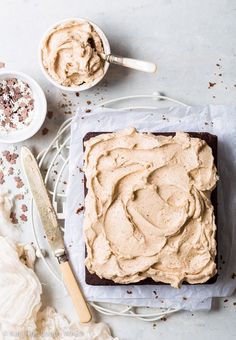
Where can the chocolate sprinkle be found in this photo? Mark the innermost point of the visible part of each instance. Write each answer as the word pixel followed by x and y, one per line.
pixel 23 218
pixel 16 104
pixel 49 114
pixel 211 85
pixel 79 210
pixel 45 131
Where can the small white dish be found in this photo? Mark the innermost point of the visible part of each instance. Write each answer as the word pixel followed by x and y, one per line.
pixel 39 111
pixel 82 87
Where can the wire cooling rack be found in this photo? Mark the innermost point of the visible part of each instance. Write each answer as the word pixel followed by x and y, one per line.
pixel 53 162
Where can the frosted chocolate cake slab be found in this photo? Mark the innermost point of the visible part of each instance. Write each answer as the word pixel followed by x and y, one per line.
pixel 159 219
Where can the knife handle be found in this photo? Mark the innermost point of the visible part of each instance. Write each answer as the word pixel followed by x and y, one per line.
pixel 75 293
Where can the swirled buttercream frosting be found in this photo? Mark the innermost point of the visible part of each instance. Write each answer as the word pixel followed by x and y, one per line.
pixel 20 289
pixel 148 212
pixel 71 53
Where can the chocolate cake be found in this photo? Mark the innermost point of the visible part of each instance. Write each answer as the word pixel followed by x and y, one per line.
pixel 211 140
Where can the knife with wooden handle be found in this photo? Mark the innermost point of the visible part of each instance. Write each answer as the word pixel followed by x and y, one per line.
pixel 52 229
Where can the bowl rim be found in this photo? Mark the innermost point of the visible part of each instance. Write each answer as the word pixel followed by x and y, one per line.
pixel 22 133
pixel 83 87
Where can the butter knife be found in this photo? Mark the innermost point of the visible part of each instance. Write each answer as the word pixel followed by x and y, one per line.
pixel 52 229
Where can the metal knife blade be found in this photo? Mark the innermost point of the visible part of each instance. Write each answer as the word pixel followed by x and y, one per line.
pixel 46 211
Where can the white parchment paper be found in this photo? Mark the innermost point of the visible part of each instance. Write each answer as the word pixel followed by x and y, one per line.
pixel 218 120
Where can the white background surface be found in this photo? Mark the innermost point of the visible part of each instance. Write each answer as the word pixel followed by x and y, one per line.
pixel 186 39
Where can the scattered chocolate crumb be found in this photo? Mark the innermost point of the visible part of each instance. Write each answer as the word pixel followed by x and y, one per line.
pixel 192 314
pixel 206 123
pixel 154 292
pixel 218 65
pixel 23 217
pixel 184 298
pixel 163 318
pixel 19 183
pixel 235 85
pixel 10 157
pixel 65 182
pixel 220 74
pixel 234 303
pixel 233 276
pixel 163 117
pixel 77 94
pixel 64 94
pixel 55 172
pixel 45 131
pixel 24 208
pixel 89 102
pixel 154 325
pixel 87 110
pixel 2 180
pixel 226 300
pixel 19 197
pixel 49 114
pixel 129 292
pixel 80 210
pixel 211 85
pixel 213 97
pixel 10 171
pixel 226 87
pixel 13 218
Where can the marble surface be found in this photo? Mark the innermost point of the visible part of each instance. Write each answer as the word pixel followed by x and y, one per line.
pixel 192 43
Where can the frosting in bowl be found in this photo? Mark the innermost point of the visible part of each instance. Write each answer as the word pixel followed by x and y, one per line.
pixel 148 211
pixel 71 54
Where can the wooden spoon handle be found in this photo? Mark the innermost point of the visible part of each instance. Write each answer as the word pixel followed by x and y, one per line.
pixel 75 293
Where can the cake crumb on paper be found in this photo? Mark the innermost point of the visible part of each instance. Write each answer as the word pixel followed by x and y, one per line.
pixel 80 210
pixel 210 85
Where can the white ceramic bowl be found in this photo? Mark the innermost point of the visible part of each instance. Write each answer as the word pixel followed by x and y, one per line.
pixel 39 113
pixel 83 87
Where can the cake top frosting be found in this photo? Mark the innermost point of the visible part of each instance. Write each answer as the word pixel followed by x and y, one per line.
pixel 148 211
